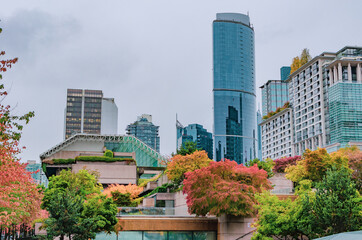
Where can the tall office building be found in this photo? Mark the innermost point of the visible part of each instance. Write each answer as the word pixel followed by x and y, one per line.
pixel 146 131
pixel 194 133
pixel 274 93
pixel 88 112
pixel 234 88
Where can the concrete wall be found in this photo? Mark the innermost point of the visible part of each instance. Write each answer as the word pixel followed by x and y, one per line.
pixel 180 204
pixel 282 185
pixel 110 172
pixel 231 227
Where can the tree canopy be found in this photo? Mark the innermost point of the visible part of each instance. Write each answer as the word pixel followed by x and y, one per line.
pixel 300 60
pixel 77 197
pixel 224 187
pixel 187 148
pixel 181 164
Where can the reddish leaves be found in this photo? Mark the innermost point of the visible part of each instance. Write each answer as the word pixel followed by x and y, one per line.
pixel 282 163
pixel 224 187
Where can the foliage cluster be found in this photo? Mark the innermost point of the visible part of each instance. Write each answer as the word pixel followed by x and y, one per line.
pixel 123 195
pixel 143 182
pixel 224 187
pixel 282 163
pixel 88 159
pixel 181 164
pixel 19 196
pixel 108 153
pixel 266 165
pixel 77 207
pixel 314 165
pixel 355 163
pixel 166 187
pixel 187 148
pixel 278 110
pixel 300 61
pixel 334 207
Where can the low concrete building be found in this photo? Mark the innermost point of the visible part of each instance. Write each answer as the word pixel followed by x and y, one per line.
pixel 132 157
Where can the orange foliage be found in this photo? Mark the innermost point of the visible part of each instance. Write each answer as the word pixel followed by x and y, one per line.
pixel 132 189
pixel 180 165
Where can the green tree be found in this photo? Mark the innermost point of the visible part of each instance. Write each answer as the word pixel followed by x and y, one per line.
pixel 187 148
pixel 77 197
pixel 334 207
pixel 65 210
pixel 338 205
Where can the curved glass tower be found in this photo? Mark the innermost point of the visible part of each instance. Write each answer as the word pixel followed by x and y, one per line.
pixel 234 88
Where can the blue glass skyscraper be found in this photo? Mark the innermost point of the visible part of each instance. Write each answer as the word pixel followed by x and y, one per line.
pixel 234 88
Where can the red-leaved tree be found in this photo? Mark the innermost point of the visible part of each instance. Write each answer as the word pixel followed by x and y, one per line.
pixel 19 196
pixel 282 163
pixel 224 187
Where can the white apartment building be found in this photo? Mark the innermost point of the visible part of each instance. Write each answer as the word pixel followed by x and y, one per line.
pixel 277 135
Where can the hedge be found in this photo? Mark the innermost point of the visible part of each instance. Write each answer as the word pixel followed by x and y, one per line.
pixel 101 159
pixel 89 159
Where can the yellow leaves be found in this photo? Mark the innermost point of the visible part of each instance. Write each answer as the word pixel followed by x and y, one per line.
pixel 180 165
pixel 300 61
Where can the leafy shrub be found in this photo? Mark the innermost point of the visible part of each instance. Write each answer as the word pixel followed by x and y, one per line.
pixel 108 153
pixel 101 159
pixel 282 163
pixel 131 189
pixel 63 161
pixel 143 182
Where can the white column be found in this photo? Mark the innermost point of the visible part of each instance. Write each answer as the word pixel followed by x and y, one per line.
pixel 335 77
pixel 349 71
pixel 359 73
pixel 313 143
pixel 340 72
pixel 331 76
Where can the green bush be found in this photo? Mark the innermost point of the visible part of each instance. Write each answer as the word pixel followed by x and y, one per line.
pixel 101 159
pixel 44 167
pixel 108 153
pixel 63 161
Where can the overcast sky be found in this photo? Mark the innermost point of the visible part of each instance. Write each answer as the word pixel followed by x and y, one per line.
pixel 153 57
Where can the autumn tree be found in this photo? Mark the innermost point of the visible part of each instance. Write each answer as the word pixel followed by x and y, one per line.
pixel 19 196
pixel 282 163
pixel 181 164
pixel 224 187
pixel 266 165
pixel 300 60
pixel 314 165
pixel 295 65
pixel 84 203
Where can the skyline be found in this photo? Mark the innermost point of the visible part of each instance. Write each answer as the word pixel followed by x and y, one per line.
pixel 56 45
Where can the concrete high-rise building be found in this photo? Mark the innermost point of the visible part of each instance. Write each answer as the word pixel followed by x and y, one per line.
pixel 88 112
pixel 146 131
pixel 234 88
pixel 194 133
pixel 258 121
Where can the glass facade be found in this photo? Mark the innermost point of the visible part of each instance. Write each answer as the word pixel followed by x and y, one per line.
pixel 144 130
pixel 37 173
pixel 234 88
pixel 274 95
pixel 195 133
pixel 284 73
pixel 158 235
pixel 345 112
